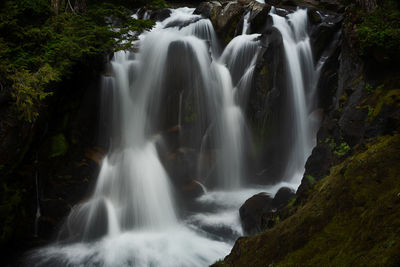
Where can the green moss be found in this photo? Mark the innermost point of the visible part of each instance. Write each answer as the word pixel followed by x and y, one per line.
pixel 59 146
pixel 379 99
pixel 348 218
pixel 311 179
pixel 219 262
pixel 292 201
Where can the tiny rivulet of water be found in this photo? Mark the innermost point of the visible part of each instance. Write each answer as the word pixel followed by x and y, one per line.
pixel 132 218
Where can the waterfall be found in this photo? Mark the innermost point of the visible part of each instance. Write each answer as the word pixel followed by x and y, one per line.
pixel 179 94
pixel 302 77
pixel 246 22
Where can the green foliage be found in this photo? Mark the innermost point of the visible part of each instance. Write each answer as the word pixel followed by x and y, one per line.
pixel 38 48
pixel 338 150
pixel 341 149
pixel 380 30
pixel 369 88
pixel 28 90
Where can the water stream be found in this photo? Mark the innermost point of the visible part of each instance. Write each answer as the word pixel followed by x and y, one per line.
pixel 178 77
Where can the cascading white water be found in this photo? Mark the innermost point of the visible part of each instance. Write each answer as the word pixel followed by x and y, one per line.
pixel 131 216
pixel 246 22
pixel 132 219
pixel 302 77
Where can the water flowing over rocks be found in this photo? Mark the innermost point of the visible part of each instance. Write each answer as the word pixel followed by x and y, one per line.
pixel 217 113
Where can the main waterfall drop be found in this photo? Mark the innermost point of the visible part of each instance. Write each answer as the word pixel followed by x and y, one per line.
pixel 301 82
pixel 176 97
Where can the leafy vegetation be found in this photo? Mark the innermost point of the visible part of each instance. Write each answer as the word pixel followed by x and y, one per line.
pixel 38 48
pixel 379 31
pixel 338 149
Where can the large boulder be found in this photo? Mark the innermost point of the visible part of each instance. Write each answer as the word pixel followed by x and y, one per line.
pixel 252 211
pixel 226 20
pixel 259 18
pixel 208 10
pixel 160 15
pixel 282 198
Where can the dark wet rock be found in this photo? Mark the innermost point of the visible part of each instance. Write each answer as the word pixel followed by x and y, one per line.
pixel 301 3
pixel 333 5
pixel 181 23
pixel 56 208
pixel 324 35
pixel 269 220
pixel 273 2
pixel 352 121
pixel 344 122
pixel 251 212
pixel 259 19
pixel 282 197
pixel 226 20
pixel 160 15
pixel 314 16
pixel 208 9
pixel 192 189
pixel 181 165
pixel 328 82
pixel 228 14
pixel 265 111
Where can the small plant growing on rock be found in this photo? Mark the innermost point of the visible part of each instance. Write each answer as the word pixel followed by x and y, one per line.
pixel 342 149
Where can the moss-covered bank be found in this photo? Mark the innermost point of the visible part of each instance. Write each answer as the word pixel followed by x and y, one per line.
pixel 350 218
